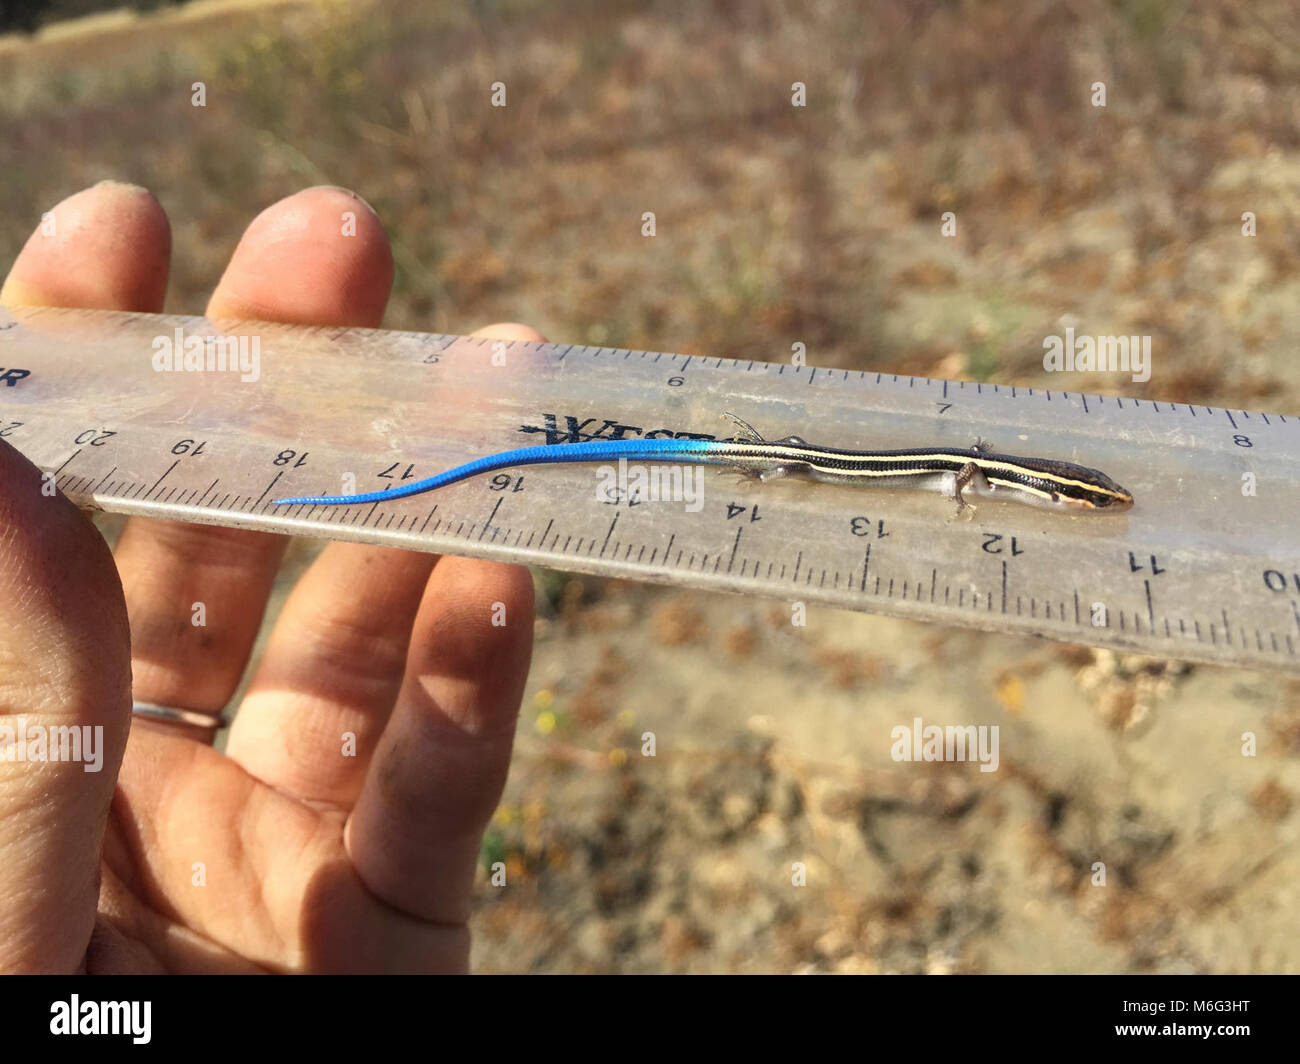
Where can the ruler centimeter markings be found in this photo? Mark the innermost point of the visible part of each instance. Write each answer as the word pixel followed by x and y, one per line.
pixel 132 413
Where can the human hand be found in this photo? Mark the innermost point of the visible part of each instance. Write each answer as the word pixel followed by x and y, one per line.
pixel 281 854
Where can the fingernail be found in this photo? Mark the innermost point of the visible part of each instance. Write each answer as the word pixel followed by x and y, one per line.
pixel 346 192
pixel 108 182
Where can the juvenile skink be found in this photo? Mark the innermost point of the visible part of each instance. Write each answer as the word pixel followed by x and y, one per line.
pixel 954 471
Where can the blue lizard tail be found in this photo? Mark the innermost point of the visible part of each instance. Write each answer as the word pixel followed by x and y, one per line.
pixel 693 451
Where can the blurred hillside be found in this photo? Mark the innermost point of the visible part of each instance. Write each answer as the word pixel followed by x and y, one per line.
pixel 26 16
pixel 776 223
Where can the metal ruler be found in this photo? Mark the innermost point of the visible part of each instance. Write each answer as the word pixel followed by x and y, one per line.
pixel 133 413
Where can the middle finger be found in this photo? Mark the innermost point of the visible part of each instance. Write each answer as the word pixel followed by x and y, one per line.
pixel 296 262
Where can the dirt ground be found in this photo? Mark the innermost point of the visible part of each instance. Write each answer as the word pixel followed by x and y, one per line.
pixel 772 830
pixel 773 748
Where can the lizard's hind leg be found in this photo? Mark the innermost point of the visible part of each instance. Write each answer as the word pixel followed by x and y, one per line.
pixel 745 432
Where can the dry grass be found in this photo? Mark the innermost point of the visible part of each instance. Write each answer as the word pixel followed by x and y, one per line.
pixel 775 223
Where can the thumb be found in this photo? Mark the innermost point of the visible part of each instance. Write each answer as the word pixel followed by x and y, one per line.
pixel 65 711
